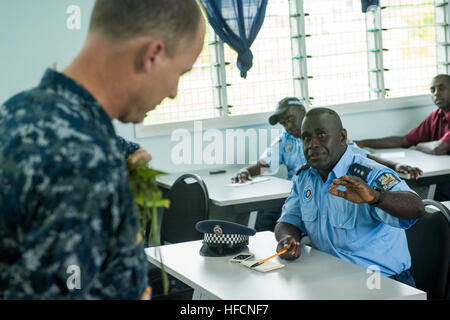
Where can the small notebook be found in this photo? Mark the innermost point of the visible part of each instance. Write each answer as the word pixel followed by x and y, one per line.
pixel 392 155
pixel 264 267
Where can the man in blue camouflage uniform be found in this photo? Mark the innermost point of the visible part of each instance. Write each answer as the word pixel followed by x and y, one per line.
pixel 287 150
pixel 350 206
pixel 127 147
pixel 68 223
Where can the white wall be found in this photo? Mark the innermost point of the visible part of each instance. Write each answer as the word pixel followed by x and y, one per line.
pixel 34 35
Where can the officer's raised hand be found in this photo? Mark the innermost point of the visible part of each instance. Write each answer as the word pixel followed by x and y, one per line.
pixel 357 190
pixel 293 248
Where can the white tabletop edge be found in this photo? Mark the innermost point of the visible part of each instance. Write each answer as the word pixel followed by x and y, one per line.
pixel 406 291
pixel 251 200
pixel 184 279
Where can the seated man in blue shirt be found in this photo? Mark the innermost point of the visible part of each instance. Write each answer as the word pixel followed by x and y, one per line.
pixel 350 206
pixel 287 149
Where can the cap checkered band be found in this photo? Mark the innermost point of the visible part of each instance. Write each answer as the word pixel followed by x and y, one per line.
pixel 229 239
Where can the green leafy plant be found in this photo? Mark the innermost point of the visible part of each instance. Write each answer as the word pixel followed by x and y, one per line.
pixel 148 199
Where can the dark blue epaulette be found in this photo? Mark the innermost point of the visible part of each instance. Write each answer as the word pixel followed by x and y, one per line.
pixel 359 171
pixel 303 167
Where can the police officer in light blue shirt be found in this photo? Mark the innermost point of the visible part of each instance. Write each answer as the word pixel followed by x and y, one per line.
pixel 287 148
pixel 349 206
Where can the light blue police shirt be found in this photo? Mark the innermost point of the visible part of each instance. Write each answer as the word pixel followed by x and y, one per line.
pixel 288 150
pixel 359 233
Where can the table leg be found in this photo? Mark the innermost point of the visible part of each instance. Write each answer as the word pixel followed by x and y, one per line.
pixel 197 295
pixel 252 219
pixel 431 191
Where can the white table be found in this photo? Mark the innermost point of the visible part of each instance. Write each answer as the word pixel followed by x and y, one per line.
pixel 315 275
pixel 436 169
pixel 244 199
pixel 222 195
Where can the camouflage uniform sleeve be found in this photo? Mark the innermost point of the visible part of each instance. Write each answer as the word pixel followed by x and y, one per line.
pixel 126 271
pixel 80 241
pixel 128 147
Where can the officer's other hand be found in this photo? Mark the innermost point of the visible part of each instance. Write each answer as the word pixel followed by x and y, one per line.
pixel 293 248
pixel 139 157
pixel 357 190
pixel 426 147
pixel 242 176
pixel 414 172
pixel 147 294
pixel 359 143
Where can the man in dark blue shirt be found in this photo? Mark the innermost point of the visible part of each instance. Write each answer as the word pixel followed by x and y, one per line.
pixel 68 223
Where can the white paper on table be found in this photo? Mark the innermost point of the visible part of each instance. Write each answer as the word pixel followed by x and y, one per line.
pixel 264 267
pixel 392 155
pixel 246 183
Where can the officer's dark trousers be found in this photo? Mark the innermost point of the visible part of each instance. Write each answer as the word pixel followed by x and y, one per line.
pixel 267 219
pixel 405 277
pixel 442 192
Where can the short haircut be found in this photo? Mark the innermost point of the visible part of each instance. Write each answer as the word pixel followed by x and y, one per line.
pixel 170 20
pixel 445 76
pixel 332 113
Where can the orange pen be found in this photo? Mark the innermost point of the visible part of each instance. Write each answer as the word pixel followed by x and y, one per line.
pixel 262 261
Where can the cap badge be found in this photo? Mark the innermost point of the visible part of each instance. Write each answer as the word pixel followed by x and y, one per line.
pixel 287 148
pixel 217 229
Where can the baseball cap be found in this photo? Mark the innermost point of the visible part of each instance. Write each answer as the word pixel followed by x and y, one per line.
pixel 283 105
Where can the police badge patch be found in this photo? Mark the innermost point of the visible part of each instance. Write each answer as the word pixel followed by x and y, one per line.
pixel 387 181
pixel 307 194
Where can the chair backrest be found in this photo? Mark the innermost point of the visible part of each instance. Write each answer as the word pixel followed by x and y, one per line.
pixel 429 246
pixel 189 203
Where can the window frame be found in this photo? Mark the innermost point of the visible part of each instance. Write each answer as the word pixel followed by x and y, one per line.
pixel 248 120
pixel 300 78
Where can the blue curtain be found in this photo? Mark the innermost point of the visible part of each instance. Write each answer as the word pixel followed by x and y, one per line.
pixel 367 3
pixel 237 22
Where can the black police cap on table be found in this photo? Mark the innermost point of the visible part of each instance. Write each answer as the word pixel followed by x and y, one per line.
pixel 223 238
pixel 283 105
